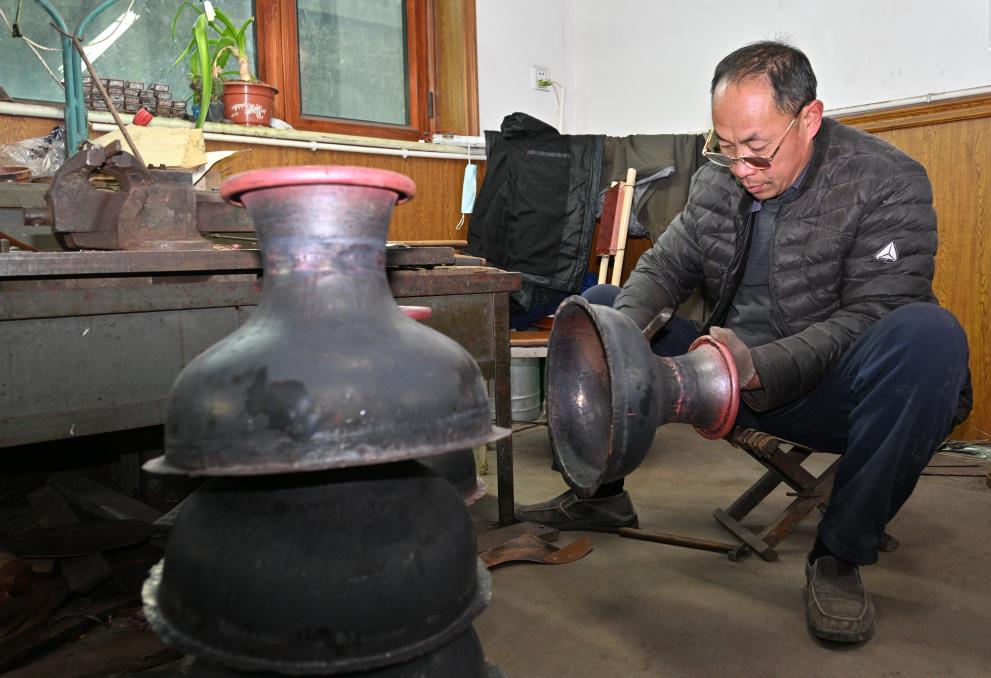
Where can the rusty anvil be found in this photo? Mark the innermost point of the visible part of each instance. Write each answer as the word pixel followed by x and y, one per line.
pixel 154 210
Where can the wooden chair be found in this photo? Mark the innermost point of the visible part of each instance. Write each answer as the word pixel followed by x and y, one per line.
pixel 613 228
pixel 783 461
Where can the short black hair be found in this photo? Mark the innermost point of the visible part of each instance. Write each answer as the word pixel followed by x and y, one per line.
pixel 786 68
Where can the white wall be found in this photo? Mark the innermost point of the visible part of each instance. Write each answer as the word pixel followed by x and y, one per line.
pixel 514 35
pixel 643 66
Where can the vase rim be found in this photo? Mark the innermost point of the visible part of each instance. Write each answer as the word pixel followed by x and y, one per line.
pixel 311 175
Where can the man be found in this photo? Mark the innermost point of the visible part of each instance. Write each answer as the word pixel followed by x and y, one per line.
pixel 815 245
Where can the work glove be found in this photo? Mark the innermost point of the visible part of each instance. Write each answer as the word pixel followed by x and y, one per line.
pixel 749 379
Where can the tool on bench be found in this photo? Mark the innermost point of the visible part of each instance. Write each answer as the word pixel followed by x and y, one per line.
pixel 153 210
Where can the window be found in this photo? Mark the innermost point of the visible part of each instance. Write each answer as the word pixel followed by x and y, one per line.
pixel 379 68
pixel 353 60
pixel 129 41
pixel 352 66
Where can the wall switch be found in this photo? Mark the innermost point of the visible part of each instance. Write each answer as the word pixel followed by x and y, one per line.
pixel 540 78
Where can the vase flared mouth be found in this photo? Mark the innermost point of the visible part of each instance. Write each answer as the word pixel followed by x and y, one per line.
pixel 317 175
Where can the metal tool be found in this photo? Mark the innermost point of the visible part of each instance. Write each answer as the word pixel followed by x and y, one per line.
pixel 733 550
pixel 153 210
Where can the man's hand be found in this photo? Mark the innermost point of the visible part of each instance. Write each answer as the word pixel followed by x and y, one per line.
pixel 749 379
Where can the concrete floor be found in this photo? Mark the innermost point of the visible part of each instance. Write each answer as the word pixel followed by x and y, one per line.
pixel 633 608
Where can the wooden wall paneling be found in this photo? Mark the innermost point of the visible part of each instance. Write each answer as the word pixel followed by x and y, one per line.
pixel 952 139
pixel 17 128
pixel 922 115
pixel 434 212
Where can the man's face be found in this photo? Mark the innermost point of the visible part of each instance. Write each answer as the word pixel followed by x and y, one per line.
pixel 747 121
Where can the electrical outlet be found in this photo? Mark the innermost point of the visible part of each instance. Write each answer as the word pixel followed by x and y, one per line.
pixel 540 78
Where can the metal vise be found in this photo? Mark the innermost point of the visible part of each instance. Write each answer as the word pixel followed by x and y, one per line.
pixel 154 210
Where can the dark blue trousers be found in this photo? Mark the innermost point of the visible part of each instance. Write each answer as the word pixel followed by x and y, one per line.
pixel 885 406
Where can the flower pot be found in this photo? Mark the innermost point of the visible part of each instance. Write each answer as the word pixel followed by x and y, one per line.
pixel 248 103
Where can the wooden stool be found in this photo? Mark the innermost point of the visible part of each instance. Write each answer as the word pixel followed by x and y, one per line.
pixel 783 461
pixel 529 344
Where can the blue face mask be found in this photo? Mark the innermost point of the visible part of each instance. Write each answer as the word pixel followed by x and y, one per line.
pixel 468 189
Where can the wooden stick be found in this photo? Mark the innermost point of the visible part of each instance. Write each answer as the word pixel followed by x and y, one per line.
pixel 603 268
pixel 624 224
pixel 676 540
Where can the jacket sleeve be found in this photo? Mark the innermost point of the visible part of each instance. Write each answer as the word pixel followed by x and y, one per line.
pixel 897 209
pixel 666 274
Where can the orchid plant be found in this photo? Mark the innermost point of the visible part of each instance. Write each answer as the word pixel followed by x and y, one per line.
pixel 215 38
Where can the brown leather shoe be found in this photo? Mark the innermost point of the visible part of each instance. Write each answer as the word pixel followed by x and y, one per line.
pixel 837 606
pixel 567 512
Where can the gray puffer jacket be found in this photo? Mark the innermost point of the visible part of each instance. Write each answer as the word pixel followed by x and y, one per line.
pixel 833 270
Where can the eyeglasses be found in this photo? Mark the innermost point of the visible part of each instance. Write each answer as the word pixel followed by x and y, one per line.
pixel 756 161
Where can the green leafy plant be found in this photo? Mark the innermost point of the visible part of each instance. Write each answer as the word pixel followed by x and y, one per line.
pixel 212 44
pixel 233 42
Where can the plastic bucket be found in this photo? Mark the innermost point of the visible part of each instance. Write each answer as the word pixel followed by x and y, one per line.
pixel 524 377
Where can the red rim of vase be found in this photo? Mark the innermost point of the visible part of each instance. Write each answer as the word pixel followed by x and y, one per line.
pixel 728 410
pixel 314 175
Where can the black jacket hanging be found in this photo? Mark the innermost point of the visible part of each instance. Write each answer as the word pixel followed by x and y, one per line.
pixel 535 211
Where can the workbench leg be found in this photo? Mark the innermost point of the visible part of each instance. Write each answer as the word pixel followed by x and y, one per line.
pixel 503 409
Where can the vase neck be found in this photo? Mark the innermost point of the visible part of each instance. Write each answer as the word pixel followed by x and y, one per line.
pixel 328 230
pixel 288 255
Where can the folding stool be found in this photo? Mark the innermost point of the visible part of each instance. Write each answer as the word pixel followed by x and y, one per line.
pixel 783 460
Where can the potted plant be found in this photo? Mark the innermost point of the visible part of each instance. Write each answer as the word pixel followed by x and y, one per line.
pixel 247 101
pixel 201 52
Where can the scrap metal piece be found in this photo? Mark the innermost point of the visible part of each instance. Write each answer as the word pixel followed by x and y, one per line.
pixel 531 548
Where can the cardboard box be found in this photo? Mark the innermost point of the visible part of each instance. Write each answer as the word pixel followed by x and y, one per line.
pixel 172 147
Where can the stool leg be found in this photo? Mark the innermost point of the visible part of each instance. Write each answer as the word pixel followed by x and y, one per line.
pixel 759 546
pixel 754 496
pixel 810 497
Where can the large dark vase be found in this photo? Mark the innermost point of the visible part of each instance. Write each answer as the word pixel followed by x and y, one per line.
pixel 328 372
pixel 607 393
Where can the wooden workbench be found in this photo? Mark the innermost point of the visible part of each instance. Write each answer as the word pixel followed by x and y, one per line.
pixel 92 341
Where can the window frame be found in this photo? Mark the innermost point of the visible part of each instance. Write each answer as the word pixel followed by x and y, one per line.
pixel 278 64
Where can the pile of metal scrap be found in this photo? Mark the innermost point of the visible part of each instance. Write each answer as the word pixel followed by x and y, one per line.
pixel 73 554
